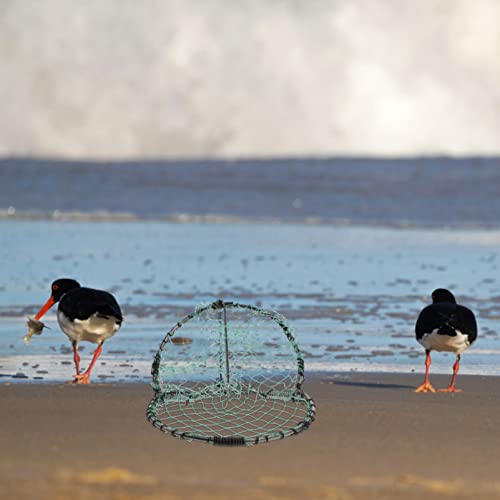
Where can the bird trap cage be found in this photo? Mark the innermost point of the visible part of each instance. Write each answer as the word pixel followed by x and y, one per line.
pixel 230 374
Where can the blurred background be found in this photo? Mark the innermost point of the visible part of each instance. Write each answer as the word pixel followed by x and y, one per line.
pixel 170 79
pixel 335 160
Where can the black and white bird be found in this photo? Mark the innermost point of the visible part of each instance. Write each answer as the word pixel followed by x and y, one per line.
pixel 444 326
pixel 84 314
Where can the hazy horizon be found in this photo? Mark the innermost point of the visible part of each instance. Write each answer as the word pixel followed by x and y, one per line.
pixel 105 79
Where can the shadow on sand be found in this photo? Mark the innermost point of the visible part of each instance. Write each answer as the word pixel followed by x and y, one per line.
pixel 374 385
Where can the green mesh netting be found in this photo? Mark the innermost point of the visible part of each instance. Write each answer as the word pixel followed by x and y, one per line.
pixel 230 374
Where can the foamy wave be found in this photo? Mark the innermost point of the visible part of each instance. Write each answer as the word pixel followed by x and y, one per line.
pixel 395 367
pixel 179 218
pixel 187 218
pixel 98 215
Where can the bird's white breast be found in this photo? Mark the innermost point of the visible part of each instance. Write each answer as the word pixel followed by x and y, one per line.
pixel 435 342
pixel 94 329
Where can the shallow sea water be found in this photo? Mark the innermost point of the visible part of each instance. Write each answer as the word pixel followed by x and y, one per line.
pixel 352 294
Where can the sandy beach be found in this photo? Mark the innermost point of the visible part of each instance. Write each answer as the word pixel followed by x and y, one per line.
pixel 353 309
pixel 373 438
pixel 216 199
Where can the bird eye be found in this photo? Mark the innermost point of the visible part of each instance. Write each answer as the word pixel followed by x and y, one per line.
pixel 55 287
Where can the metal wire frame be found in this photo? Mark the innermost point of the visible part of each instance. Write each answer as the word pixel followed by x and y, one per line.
pixel 300 402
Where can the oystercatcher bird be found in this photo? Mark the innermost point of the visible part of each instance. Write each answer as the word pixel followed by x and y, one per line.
pixel 84 314
pixel 444 326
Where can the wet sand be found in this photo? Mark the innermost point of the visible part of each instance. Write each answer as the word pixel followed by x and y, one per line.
pixel 373 438
pixel 352 306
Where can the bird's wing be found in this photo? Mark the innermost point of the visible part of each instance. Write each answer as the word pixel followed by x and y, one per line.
pixel 467 323
pixel 82 303
pixel 434 317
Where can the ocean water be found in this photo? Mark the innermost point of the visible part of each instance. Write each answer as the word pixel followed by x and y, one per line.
pixel 348 249
pixel 351 293
pixel 415 192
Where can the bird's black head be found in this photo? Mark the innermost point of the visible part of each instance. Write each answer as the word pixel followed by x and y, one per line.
pixel 61 286
pixel 57 290
pixel 442 295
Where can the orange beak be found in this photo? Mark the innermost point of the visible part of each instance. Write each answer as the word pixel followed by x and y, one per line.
pixel 45 308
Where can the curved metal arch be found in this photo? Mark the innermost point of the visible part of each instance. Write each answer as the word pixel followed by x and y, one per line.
pixel 299 397
pixel 220 305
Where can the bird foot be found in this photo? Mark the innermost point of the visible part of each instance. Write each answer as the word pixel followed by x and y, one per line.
pixel 425 387
pixel 82 379
pixel 451 388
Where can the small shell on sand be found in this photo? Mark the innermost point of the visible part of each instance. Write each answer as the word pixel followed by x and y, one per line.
pixel 181 340
pixel 35 327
